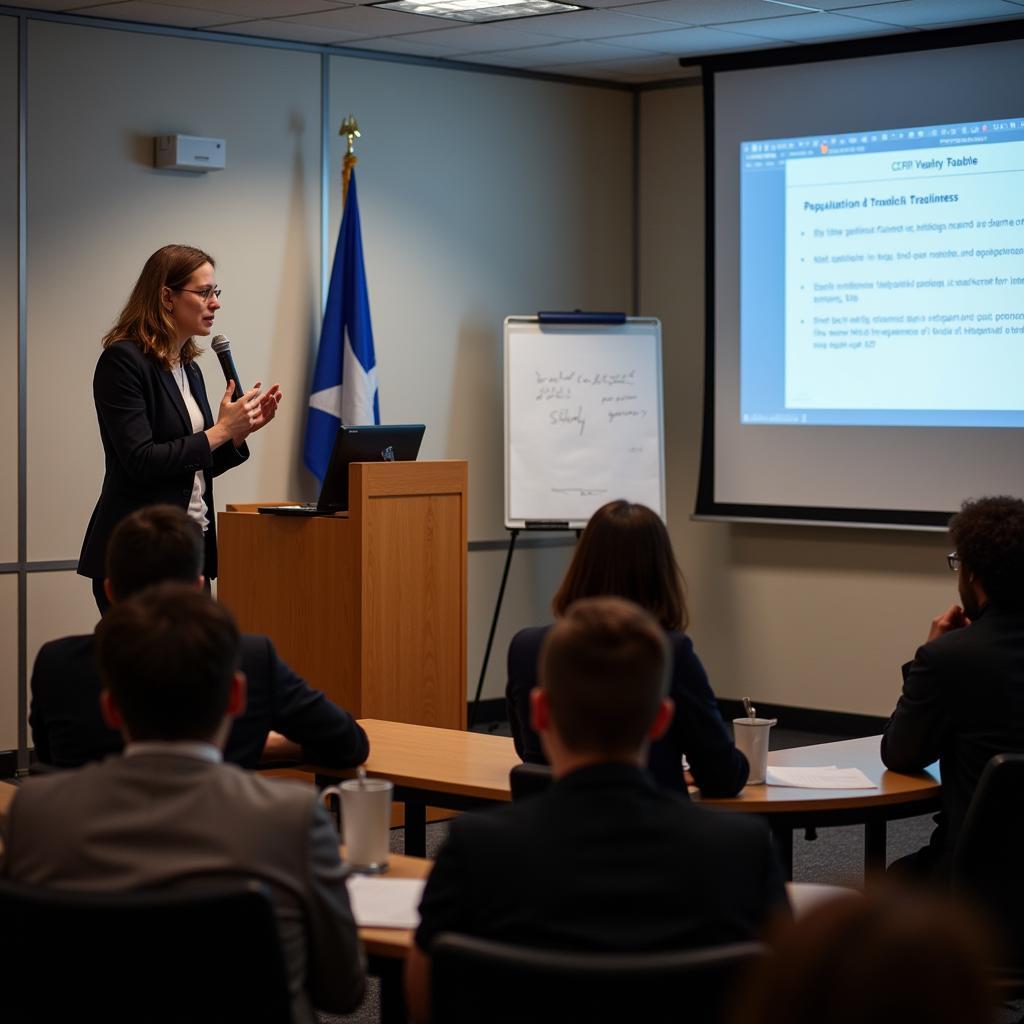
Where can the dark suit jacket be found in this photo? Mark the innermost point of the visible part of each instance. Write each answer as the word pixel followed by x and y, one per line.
pixel 962 703
pixel 68 729
pixel 697 730
pixel 604 860
pixel 157 819
pixel 150 453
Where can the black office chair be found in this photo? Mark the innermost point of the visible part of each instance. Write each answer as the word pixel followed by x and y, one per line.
pixel 474 980
pixel 207 953
pixel 528 780
pixel 986 866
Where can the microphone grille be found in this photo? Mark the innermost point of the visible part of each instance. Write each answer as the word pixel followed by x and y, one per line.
pixel 220 343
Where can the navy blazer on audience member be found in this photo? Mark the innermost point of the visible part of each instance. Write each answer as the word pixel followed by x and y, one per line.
pixel 604 861
pixel 68 728
pixel 697 729
pixel 962 703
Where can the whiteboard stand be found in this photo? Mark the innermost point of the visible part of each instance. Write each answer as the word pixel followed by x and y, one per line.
pixel 512 538
pixel 514 532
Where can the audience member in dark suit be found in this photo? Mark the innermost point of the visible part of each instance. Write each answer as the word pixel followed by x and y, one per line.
pixel 152 545
pixel 626 551
pixel 170 812
pixel 604 860
pixel 963 694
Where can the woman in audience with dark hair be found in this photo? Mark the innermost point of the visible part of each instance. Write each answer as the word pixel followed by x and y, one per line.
pixel 895 956
pixel 625 551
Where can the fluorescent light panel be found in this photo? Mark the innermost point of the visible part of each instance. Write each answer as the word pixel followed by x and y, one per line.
pixel 478 10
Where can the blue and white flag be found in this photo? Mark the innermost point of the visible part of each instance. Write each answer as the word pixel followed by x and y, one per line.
pixel 345 380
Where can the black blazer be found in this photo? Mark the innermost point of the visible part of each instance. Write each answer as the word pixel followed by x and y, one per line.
pixel 962 703
pixel 604 860
pixel 150 453
pixel 68 729
pixel 697 729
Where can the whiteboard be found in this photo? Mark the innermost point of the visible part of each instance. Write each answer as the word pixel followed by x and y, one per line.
pixel 583 419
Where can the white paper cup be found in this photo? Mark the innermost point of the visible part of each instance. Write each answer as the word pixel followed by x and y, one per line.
pixel 365 821
pixel 751 736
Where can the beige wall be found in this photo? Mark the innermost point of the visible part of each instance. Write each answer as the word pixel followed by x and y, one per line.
pixel 807 616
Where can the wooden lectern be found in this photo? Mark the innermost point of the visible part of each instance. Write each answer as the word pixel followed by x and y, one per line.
pixel 369 607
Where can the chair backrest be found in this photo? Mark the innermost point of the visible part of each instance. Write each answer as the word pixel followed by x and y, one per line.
pixel 208 952
pixel 987 860
pixel 477 979
pixel 528 780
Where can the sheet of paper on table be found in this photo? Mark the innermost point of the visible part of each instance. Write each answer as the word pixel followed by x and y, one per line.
pixel 385 902
pixel 821 777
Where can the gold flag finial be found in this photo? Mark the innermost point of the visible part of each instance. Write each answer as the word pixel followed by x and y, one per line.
pixel 350 129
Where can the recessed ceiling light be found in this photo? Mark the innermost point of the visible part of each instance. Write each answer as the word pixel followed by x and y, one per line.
pixel 478 10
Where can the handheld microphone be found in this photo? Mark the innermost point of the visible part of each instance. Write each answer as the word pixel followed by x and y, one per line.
pixel 222 347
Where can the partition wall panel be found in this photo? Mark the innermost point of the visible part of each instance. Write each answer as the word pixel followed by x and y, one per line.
pixel 9 290
pixel 8 661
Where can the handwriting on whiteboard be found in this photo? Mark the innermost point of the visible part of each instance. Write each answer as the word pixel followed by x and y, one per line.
pixel 612 391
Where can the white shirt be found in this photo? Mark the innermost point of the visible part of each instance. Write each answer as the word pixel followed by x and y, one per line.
pixel 196 505
pixel 198 749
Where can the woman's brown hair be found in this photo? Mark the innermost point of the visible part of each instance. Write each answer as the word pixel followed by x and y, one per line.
pixel 144 319
pixel 625 551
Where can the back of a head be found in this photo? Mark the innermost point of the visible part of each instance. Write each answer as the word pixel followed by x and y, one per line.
pixel 625 551
pixel 156 544
pixel 168 656
pixel 888 957
pixel 604 667
pixel 988 534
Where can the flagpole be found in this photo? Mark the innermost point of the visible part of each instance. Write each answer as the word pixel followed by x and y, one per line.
pixel 350 129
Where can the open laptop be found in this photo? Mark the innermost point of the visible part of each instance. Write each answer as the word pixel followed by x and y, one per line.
pixel 385 443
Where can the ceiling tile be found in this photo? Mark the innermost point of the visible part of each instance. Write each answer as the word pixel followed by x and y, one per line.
pixel 649 68
pixel 257 8
pixel 597 24
pixel 483 38
pixel 714 12
pixel 559 53
pixel 798 28
pixel 687 41
pixel 156 14
pixel 667 10
pixel 48 5
pixel 928 13
pixel 291 33
pixel 413 46
pixel 370 21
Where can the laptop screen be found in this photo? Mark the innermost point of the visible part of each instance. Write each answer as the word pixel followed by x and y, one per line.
pixel 385 443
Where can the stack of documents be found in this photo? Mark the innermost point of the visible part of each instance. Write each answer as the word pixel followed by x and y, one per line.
pixel 821 777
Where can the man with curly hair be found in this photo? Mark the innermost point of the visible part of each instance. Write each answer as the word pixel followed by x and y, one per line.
pixel 963 694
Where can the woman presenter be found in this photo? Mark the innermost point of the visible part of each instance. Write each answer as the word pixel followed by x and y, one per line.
pixel 161 443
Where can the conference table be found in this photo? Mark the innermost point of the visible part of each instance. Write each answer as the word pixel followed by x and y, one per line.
pixel 448 768
pixel 387 948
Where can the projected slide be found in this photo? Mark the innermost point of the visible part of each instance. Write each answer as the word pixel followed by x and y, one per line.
pixel 882 277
